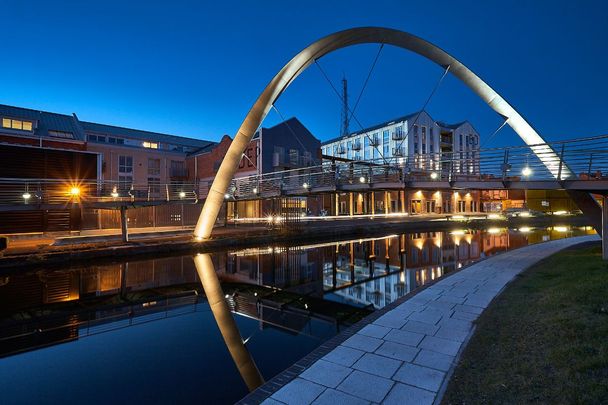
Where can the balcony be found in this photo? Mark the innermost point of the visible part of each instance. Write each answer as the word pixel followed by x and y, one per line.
pixel 398 136
pixel 357 146
pixel 374 141
pixel 398 151
pixel 341 150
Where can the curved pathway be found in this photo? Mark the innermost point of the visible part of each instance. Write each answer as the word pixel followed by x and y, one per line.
pixel 408 354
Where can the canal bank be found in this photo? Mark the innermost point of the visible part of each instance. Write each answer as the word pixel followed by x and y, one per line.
pixel 406 352
pixel 107 248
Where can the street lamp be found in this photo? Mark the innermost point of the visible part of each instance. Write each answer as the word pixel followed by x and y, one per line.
pixel 526 171
pixel 362 179
pixel 434 175
pixel 182 194
pixel 26 196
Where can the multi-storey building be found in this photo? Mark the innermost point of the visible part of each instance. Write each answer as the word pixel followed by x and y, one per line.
pixel 415 140
pixel 417 143
pixel 68 151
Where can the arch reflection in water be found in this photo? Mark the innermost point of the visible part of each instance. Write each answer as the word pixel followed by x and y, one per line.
pixel 230 332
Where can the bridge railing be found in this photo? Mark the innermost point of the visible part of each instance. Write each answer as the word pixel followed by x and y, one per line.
pixel 579 159
pixel 16 191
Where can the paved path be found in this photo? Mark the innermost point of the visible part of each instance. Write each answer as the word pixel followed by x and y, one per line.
pixel 404 356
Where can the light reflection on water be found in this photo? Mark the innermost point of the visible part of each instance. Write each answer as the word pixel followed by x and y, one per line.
pixel 149 319
pixel 376 271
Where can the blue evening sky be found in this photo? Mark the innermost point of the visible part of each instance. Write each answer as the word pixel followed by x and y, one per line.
pixel 194 68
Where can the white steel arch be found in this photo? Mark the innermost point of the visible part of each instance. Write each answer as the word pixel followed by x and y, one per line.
pixel 343 39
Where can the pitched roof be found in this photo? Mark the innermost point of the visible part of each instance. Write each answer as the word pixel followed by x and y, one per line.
pixel 451 126
pixel 46 121
pixel 378 126
pixel 144 135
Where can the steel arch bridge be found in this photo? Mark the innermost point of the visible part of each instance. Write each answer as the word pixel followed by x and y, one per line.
pixel 343 39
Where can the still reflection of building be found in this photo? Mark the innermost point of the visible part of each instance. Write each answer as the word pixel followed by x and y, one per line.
pixel 363 272
pixel 387 269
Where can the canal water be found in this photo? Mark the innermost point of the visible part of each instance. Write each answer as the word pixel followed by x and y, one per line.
pixel 144 330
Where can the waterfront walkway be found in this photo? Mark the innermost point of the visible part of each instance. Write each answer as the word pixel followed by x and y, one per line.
pixel 407 354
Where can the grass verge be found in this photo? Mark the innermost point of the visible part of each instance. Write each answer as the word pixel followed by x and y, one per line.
pixel 544 339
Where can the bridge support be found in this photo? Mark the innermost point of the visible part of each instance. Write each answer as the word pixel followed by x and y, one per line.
pixel 124 228
pixel 597 216
pixel 590 208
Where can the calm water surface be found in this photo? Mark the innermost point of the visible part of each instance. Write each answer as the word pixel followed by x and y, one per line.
pixel 144 331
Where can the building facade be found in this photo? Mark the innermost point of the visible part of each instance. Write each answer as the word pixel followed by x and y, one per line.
pixel 71 152
pixel 416 141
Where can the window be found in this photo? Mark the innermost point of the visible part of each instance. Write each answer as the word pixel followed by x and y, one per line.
pixel 154 167
pixel 460 141
pixel 151 145
pixel 399 133
pixel 61 134
pixel 125 164
pixel 118 141
pixel 308 158
pixel 366 148
pixel 97 138
pixel 385 143
pixel 294 156
pixel 178 168
pixel 17 124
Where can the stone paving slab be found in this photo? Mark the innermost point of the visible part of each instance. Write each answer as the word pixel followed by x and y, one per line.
pixel 406 355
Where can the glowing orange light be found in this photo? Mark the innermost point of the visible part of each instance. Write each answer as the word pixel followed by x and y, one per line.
pixel 74 191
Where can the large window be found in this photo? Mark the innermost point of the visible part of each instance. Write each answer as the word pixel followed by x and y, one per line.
pixel 125 164
pixel 294 156
pixel 17 124
pixel 178 168
pixel 154 167
pixel 386 143
pixel 366 153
